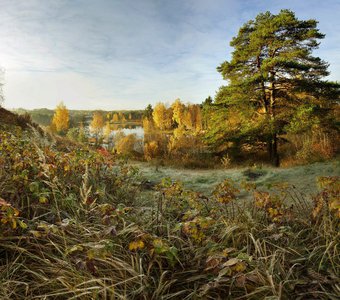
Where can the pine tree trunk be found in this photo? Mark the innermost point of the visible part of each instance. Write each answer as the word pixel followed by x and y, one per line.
pixel 275 153
pixel 273 148
pixel 270 148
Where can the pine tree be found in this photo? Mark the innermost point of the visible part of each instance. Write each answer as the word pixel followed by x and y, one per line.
pixel 206 111
pixel 271 64
pixel 148 112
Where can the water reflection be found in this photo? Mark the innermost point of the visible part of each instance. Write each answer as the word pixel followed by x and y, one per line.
pixel 128 129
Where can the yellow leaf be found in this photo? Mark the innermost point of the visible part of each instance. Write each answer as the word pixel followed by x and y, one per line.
pixel 14 223
pixel 141 244
pixel 75 248
pixel 240 267
pixel 22 224
pixel 15 212
pixel 231 262
pixel 135 245
pixel 35 233
pixel 43 200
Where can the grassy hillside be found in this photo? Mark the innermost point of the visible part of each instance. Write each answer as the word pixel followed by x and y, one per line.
pixel 76 224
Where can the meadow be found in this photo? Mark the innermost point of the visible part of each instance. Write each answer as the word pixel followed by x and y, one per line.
pixel 204 180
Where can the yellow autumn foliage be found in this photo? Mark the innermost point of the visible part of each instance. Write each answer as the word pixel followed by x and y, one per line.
pixel 136 245
pixel 61 118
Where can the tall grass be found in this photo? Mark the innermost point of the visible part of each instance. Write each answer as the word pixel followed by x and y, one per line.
pixel 75 224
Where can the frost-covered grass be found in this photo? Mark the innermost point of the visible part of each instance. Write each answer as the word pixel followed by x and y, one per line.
pixel 303 177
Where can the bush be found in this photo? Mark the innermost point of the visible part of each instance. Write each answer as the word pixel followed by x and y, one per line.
pixel 127 145
pixel 73 134
pixel 183 144
pixel 315 147
pixel 151 150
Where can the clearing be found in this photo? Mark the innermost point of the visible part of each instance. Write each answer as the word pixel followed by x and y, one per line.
pixel 201 180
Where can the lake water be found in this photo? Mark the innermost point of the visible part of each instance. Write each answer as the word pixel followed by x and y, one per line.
pixel 132 129
pixel 125 128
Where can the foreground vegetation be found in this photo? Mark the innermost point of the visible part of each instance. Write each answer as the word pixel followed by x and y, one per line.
pixel 75 224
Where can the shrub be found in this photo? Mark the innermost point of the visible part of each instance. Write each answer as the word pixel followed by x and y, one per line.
pixel 151 150
pixel 127 145
pixel 226 161
pixel 183 143
pixel 315 147
pixel 73 134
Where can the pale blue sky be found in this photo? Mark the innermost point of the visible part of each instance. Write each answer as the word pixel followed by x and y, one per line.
pixel 110 54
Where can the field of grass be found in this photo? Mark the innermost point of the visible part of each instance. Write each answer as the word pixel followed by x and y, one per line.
pixel 76 223
pixel 204 181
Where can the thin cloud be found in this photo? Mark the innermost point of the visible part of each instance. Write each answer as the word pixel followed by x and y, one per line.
pixel 126 54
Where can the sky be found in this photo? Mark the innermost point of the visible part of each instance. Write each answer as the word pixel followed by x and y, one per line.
pixel 125 54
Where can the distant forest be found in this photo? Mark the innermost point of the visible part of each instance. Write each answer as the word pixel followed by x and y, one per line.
pixel 43 116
